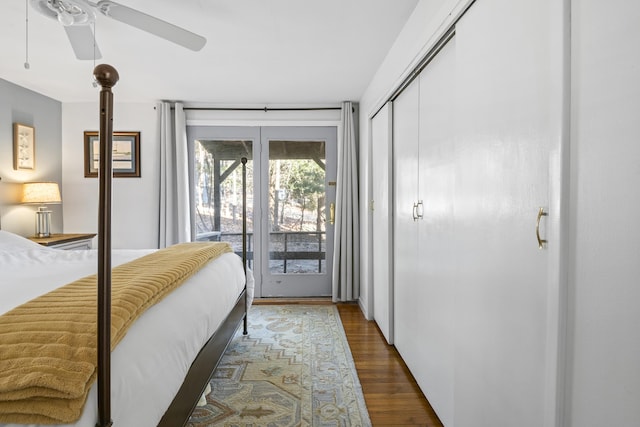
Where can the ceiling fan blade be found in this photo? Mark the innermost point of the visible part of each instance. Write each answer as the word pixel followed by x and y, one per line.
pixel 83 42
pixel 152 25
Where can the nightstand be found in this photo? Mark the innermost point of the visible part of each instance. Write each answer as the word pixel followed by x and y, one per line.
pixel 65 241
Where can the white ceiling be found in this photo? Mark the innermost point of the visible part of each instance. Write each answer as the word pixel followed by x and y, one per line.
pixel 257 51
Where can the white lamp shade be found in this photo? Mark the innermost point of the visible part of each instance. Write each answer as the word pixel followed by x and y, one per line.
pixel 41 193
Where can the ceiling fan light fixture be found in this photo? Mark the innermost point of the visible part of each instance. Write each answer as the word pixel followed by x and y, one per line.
pixel 65 18
pixel 67 12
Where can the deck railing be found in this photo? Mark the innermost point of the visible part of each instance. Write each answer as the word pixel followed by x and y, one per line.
pixel 284 246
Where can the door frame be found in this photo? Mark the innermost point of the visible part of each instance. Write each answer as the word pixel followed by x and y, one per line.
pixel 381 210
pixel 250 130
pixel 275 285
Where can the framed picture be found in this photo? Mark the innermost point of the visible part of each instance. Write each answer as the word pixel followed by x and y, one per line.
pixel 126 154
pixel 24 147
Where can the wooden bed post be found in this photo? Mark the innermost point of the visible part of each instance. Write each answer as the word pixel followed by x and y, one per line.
pixel 245 329
pixel 107 77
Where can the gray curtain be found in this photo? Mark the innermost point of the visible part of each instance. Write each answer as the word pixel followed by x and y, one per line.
pixel 346 255
pixel 175 204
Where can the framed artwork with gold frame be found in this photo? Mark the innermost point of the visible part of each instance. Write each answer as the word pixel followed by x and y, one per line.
pixel 24 147
pixel 126 154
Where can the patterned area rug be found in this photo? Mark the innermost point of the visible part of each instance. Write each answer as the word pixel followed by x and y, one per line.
pixel 293 369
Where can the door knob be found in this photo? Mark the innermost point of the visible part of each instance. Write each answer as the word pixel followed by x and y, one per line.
pixel 420 210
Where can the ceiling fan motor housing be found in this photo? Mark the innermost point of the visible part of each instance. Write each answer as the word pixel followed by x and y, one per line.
pixel 67 12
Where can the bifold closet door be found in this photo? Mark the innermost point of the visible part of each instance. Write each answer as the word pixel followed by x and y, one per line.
pixel 424 133
pixel 381 163
pixel 437 244
pixel 407 328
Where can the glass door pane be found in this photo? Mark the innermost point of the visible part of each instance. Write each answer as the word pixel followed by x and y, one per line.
pixel 218 192
pixel 297 214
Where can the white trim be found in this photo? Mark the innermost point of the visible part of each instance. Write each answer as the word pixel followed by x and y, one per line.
pixel 260 123
pixel 363 309
pixel 367 251
pixel 259 117
pixel 387 234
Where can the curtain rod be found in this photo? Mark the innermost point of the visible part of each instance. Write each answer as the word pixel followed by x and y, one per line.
pixel 265 109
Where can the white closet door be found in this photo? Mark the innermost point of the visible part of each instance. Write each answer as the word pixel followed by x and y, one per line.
pixel 407 307
pixel 509 93
pixel 425 267
pixel 434 367
pixel 381 162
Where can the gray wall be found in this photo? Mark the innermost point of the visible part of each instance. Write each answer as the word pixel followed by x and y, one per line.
pixel 18 104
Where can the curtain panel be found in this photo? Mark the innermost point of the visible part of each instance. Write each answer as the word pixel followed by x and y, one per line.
pixel 175 204
pixel 346 256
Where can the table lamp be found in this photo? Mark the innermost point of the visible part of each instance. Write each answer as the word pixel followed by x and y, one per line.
pixel 42 193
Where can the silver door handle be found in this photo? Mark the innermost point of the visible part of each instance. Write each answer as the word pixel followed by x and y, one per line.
pixel 541 242
pixel 420 209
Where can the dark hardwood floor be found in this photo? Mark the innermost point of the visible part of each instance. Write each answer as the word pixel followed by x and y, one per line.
pixel 393 398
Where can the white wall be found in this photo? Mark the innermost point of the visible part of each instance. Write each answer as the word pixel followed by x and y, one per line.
pixel 604 315
pixel 135 200
pixel 426 25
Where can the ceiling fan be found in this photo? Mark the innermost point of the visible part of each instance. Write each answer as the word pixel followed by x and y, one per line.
pixel 77 16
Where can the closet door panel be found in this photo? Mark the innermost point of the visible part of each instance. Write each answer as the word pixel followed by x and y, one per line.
pixel 381 162
pixel 437 240
pixel 506 94
pixel 407 308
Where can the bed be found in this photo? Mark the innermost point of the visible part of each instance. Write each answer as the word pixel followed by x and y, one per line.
pixel 151 362
pixel 159 369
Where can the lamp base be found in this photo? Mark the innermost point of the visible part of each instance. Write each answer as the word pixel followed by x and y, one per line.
pixel 43 222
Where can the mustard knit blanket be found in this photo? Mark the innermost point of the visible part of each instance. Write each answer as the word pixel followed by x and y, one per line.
pixel 48 352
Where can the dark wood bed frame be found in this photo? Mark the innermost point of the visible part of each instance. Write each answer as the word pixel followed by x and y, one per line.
pixel 205 363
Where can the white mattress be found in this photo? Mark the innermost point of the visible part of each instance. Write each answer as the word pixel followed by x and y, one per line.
pixel 150 363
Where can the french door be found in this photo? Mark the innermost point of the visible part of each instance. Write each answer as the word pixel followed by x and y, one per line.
pixel 298 181
pixel 290 202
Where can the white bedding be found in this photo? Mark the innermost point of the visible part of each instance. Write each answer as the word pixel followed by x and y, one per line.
pixel 150 363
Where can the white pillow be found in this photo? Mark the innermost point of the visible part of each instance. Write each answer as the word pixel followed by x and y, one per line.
pixel 10 242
